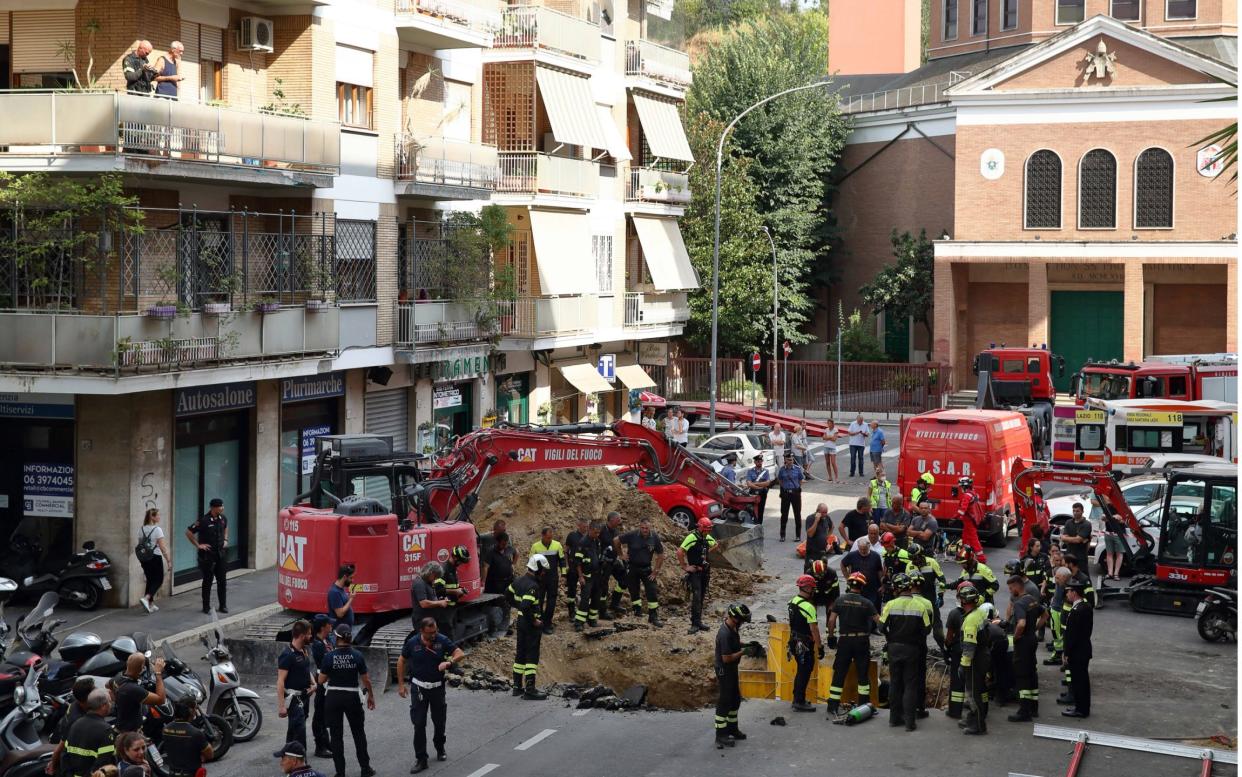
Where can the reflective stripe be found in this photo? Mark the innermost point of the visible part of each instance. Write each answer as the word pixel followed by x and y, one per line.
pixel 73 750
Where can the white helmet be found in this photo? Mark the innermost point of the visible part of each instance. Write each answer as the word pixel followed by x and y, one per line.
pixel 538 563
pixel 989 610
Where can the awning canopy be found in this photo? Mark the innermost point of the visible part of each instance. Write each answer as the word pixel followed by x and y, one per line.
pixel 662 126
pixel 665 254
pixel 563 251
pixel 571 109
pixel 635 377
pixel 585 377
pixel 616 147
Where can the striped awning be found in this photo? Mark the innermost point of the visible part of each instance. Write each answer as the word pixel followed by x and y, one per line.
pixel 571 109
pixel 665 254
pixel 666 137
pixel 563 251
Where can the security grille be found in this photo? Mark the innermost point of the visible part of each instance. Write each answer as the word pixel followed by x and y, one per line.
pixel 1043 190
pixel 355 260
pixel 1097 190
pixel 509 106
pixel 1153 190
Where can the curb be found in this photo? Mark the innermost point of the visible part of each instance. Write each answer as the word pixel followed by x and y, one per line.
pixel 240 619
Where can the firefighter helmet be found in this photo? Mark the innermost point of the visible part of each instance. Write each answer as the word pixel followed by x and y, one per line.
pixel 887 538
pixel 914 549
pixel 927 478
pixel 901 581
pixel 1013 567
pixel 705 524
pixel 461 553
pixel 966 482
pixel 967 594
pixel 856 580
pixel 819 567
pixel 739 613
pixel 805 581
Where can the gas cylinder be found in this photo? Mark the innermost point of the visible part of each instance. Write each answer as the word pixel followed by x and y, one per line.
pixel 860 714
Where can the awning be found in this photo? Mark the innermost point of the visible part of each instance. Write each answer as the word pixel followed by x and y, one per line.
pixel 585 377
pixel 662 126
pixel 616 147
pixel 563 251
pixel 571 109
pixel 665 254
pixel 635 377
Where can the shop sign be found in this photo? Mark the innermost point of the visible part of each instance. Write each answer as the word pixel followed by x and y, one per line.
pixel 445 397
pixel 309 435
pixel 608 367
pixel 47 490
pixel 36 405
pixel 460 367
pixel 655 354
pixel 214 399
pixel 308 387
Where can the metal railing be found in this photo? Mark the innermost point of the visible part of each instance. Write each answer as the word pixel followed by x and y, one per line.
pixel 532 173
pixel 446 162
pixel 544 316
pixel 439 260
pixel 660 63
pixel 477 17
pixel 906 97
pixel 660 309
pixel 45 123
pixel 647 184
pixel 430 322
pixel 536 27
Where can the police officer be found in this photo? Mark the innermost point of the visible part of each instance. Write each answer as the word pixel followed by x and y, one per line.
pixel 210 535
pixel 1082 580
pixel 295 683
pixel 643 554
pixel 953 654
pixel 425 657
pixel 728 690
pixel 692 555
pixel 555 554
pixel 1078 627
pixel 758 480
pixel 1024 622
pixel 614 569
pixel 342 672
pixel 856 614
pixel 906 621
pixel 977 574
pixel 184 745
pixel 931 583
pixel 321 626
pixel 573 541
pixel 90 743
pixel 293 761
pixel 526 594
pixel 826 588
pixel 803 645
pixel 975 657
pixel 588 559
pixel 790 477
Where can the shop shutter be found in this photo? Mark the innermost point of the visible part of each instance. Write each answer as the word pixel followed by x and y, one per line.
pixel 387 413
pixel 38 38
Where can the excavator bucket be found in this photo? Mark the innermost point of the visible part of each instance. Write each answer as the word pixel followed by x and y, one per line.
pixel 739 546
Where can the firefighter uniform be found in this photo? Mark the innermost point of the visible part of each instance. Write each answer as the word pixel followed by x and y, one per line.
pixel 801 645
pixel 588 559
pixel 729 690
pixel 343 668
pixel 641 552
pixel 89 746
pixel 922 489
pixel 826 590
pixel 982 579
pixel 906 622
pixel 854 614
pixel 931 587
pixel 976 647
pixel 554 552
pixel 1026 610
pixel 1078 628
pixel 953 656
pixel 526 593
pixel 696 546
pixel 1002 686
pixel 442 585
pixel 573 541
pixel 614 571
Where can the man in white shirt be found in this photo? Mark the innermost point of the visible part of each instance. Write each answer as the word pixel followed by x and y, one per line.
pixel 858 443
pixel 649 419
pixel 679 427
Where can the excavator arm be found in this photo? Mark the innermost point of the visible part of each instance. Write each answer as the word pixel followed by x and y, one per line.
pixel 1028 473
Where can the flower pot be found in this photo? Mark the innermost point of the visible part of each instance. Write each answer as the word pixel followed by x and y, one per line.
pixel 267 307
pixel 317 305
pixel 163 312
pixel 217 308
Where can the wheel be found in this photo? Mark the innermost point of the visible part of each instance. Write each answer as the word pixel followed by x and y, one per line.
pixel 82 593
pixel 1214 625
pixel 33 768
pixel 219 736
pixel 244 717
pixel 682 517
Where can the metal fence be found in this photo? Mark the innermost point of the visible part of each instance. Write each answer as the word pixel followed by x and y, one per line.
pixel 906 97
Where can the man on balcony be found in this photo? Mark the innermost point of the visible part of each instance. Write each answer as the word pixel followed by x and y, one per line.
pixel 139 73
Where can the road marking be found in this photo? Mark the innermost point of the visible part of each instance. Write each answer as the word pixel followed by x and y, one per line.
pixel 536 739
pixel 580 713
pixel 483 770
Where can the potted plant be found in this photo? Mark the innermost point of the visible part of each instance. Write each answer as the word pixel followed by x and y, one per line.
pixel 266 304
pixel 163 310
pixel 218 306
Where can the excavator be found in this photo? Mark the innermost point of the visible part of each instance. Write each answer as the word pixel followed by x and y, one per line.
pixel 390 513
pixel 1190 555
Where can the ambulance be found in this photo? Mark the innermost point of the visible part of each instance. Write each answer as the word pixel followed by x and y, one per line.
pixel 1132 435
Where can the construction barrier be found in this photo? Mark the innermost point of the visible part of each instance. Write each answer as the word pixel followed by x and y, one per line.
pixel 783 669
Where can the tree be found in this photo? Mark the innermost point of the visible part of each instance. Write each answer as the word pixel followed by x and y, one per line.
pixel 858 340
pixel 903 289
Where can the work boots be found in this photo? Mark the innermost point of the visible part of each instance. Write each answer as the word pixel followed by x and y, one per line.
pixel 1053 660
pixel 638 611
pixel 532 693
pixel 974 725
pixel 517 684
pixel 653 617
pixel 723 739
pixel 1023 714
pixel 834 709
pixel 614 604
pixel 732 730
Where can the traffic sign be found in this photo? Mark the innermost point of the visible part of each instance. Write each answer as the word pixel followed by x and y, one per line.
pixel 754 362
pixel 788 348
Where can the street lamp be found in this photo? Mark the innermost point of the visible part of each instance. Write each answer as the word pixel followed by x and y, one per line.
pixel 716 234
pixel 775 310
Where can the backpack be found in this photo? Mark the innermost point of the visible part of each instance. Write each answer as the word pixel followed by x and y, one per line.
pixel 145 549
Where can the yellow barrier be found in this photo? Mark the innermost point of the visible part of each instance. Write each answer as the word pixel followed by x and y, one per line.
pixel 757 684
pixel 783 669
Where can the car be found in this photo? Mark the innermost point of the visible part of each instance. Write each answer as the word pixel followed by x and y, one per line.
pixel 683 506
pixel 1184 507
pixel 745 443
pixel 1139 491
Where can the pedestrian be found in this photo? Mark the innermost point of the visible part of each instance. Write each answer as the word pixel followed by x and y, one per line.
pixel 1076 535
pixel 295 682
pixel 589 560
pixel 573 541
pixel 166 79
pixel 880 492
pixel 924 528
pixel 425 657
pixel 210 536
pixel 644 557
pixel 858 432
pixel 877 442
pixel 826 588
pixel 321 627
pixel 91 741
pixel 293 761
pixel 777 439
pixel 527 595
pixel 873 537
pixel 1056 615
pixel 1114 543
pixel 554 552
pixel 1077 655
pixel 82 688
pixel 857 616
pixel 153 556
pixel 804 645
pixel 496 571
pixel 424 603
pixel 692 556
pixel 906 622
pixel 790 477
pixel 131 696
pixel 799 445
pixel 831 436
pixel 818 530
pixel 679 428
pixel 344 676
pixel 649 420
pixel 953 654
pixel 854 523
pixel 138 71
pixel 970 512
pixel 131 755
pixel 979 575
pixel 1026 612
pixel 185 746
pixel 974 661
pixel 757 481
pixel 729 470
pixel 870 565
pixel 341 597
pixel 728 689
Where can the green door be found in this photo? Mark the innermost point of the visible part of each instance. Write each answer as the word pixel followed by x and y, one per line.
pixel 1085 325
pixel 897 338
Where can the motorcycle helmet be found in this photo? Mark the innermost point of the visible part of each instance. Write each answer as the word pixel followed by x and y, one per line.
pixel 123 647
pixel 739 613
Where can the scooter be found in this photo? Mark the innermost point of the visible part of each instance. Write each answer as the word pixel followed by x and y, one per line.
pixel 81 580
pixel 181 682
pixel 22 752
pixel 227 698
pixel 1217 615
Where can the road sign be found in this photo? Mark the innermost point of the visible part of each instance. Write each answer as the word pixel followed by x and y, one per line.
pixel 788 348
pixel 754 362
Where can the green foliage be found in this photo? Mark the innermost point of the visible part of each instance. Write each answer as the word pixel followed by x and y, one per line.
pixel 279 104
pixel 495 226
pixel 904 289
pixel 745 389
pixel 858 340
pixel 690 17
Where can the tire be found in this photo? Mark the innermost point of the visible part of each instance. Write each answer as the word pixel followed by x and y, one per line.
pixel 683 517
pixel 84 594
pixel 34 768
pixel 219 735
pixel 997 539
pixel 246 726
pixel 1213 625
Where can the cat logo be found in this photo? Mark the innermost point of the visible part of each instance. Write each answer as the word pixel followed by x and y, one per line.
pixel 292 549
pixel 525 455
pixel 414 542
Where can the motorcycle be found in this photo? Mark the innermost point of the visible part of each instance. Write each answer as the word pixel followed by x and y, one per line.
pixel 81 580
pixel 1217 615
pixel 227 698
pixel 181 682
pixel 22 752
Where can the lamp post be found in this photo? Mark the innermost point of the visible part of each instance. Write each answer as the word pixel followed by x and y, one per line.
pixel 775 311
pixel 716 233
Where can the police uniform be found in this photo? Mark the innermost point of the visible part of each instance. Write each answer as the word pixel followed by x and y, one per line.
pixel 641 552
pixel 982 579
pixel 1026 610
pixel 209 530
pixel 89 746
pixel 1081 579
pixel 729 690
pixel 343 667
pixel 696 548
pixel 297 665
pixel 319 724
pixel 1079 622
pixel 974 663
pixel 526 593
pixel 801 644
pixel 554 552
pixel 953 655
pixel 906 621
pixel 422 666
pixel 854 613
pixel 588 559
pixel 183 744
pixel 573 541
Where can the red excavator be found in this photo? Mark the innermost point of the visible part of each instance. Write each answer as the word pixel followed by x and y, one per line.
pixel 389 513
pixel 1191 554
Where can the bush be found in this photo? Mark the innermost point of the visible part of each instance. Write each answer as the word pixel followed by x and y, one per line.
pixel 734 388
pixel 858 340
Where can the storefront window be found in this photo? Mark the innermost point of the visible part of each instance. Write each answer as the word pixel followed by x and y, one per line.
pixel 37 482
pixel 301 424
pixel 452 409
pixel 512 401
pixel 208 463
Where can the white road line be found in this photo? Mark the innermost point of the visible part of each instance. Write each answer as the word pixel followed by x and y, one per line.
pixel 536 739
pixel 580 713
pixel 483 770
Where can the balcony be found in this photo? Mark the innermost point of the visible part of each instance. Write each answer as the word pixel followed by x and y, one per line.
pixel 544 174
pixel 444 168
pixel 447 24
pixel 437 322
pixel 544 29
pixel 655 310
pixel 669 67
pixel 94 132
pixel 531 317
pixel 647 184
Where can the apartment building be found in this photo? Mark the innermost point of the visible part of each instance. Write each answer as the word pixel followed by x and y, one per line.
pixel 312 258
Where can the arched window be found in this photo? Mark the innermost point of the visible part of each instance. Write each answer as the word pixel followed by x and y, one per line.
pixel 1153 189
pixel 1043 190
pixel 1097 190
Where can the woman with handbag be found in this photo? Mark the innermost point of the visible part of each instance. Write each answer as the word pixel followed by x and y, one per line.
pixel 153 554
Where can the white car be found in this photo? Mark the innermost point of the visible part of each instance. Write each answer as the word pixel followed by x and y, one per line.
pixel 1139 491
pixel 746 444
pixel 1184 508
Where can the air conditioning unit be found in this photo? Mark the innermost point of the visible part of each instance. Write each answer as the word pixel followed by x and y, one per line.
pixel 255 34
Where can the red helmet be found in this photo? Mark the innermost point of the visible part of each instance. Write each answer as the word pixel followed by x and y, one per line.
pixel 887 538
pixel 705 524
pixel 819 567
pixel 856 579
pixel 805 581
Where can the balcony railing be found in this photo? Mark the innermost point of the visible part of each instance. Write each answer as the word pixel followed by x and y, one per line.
pixel 907 97
pixel 435 322
pixel 659 63
pixel 481 17
pixel 536 27
pixel 651 310
pixel 647 184
pixel 42 124
pixel 531 173
pixel 547 316
pixel 445 162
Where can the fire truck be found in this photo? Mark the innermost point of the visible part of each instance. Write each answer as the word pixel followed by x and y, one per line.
pixel 1020 379
pixel 1188 378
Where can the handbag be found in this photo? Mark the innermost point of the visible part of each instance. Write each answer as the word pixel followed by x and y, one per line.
pixel 145 549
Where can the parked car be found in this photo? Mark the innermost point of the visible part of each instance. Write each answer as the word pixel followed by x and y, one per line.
pixel 746 444
pixel 1139 491
pixel 1184 507
pixel 683 506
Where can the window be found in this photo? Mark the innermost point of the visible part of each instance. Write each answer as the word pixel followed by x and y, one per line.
pixel 1144 494
pixel 1043 190
pixel 1177 386
pixel 1097 190
pixel 1070 11
pixel 1009 19
pixel 601 250
pixel 1089 437
pixel 979 17
pixel 1032 366
pixel 1127 10
pixel 355 260
pixel 354 105
pixel 950 19
pixel 212 85
pixel 1180 9
pixel 1153 439
pixel 1014 367
pixel 1153 190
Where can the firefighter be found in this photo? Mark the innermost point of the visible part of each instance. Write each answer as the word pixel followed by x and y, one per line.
pixel 90 742
pixel 953 654
pixel 573 541
pixel 977 573
pixel 972 515
pixel 856 615
pixel 554 552
pixel 527 595
pixel 1056 614
pixel 906 621
pixel 447 588
pixel 611 548
pixel 587 560
pixel 343 674
pixel 1028 586
pixel 692 555
pixel 931 585
pixel 974 661
pixel 1001 689
pixel 424 658
pixel 1024 620
pixel 729 690
pixel 804 645
pixel 643 554
pixel 922 489
pixel 826 588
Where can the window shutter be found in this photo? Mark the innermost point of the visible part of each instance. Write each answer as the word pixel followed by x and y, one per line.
pixel 211 44
pixel 37 40
pixel 4 28
pixel 188 68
